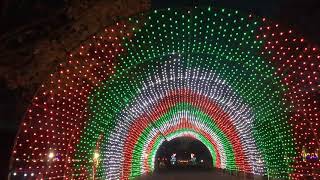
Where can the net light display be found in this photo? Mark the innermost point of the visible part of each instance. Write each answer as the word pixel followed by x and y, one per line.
pixel 245 87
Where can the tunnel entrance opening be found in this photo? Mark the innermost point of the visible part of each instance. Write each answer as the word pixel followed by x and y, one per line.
pixel 183 153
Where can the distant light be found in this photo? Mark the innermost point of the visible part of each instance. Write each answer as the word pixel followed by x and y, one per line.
pixel 201 161
pixel 25 174
pixel 14 173
pixel 51 155
pixel 32 174
pixel 96 155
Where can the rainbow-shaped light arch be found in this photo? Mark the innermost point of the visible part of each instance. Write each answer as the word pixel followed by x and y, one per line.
pixel 240 84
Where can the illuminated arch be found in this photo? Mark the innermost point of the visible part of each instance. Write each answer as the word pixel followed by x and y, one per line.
pixel 183 133
pixel 256 82
pixel 217 84
pixel 222 145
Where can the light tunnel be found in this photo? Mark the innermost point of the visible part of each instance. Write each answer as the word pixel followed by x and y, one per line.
pixel 245 87
pixel 210 146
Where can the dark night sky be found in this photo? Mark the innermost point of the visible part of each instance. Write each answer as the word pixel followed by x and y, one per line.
pixel 301 15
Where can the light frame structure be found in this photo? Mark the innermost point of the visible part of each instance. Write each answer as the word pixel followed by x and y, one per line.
pixel 243 85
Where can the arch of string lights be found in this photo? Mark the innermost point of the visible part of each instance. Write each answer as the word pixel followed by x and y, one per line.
pixel 244 86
